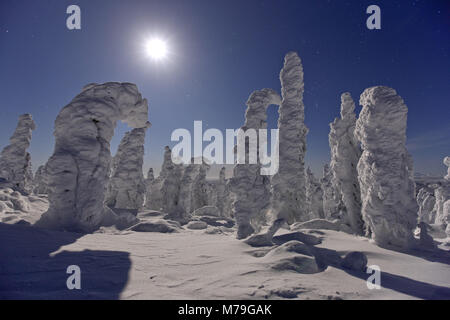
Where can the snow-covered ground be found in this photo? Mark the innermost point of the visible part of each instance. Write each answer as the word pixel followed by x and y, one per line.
pixel 201 264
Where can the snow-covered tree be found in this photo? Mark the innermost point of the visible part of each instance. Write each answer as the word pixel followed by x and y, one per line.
pixel 126 188
pixel 389 206
pixel 442 205
pixel 426 202
pixel 222 193
pixel 331 196
pixel 251 190
pixel 170 183
pixel 185 202
pixel 200 187
pixel 79 168
pixel 15 161
pixel 289 184
pixel 345 154
pixel 40 181
pixel 314 196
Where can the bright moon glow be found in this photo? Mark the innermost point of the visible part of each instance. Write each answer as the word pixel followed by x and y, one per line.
pixel 157 49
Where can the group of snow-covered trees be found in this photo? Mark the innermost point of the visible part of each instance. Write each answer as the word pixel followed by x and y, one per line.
pixel 180 189
pixel 434 201
pixel 367 187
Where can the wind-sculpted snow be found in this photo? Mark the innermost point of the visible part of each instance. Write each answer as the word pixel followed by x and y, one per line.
pixel 389 207
pixel 15 161
pixel 79 168
pixel 288 185
pixel 314 196
pixel 40 181
pixel 126 188
pixel 345 154
pixel 251 190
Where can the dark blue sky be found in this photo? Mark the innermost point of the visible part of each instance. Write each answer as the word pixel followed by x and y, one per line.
pixel 220 52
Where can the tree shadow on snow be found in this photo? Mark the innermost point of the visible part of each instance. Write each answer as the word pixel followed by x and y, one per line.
pixel 422 290
pixel 29 270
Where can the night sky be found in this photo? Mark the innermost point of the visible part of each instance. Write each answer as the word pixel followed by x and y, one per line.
pixel 221 51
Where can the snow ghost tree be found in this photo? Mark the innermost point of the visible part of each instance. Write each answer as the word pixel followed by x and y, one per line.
pixel 159 190
pixel 331 208
pixel 150 177
pixel 251 190
pixel 442 205
pixel 79 168
pixel 190 173
pixel 149 180
pixel 222 193
pixel 15 161
pixel 170 183
pixel 426 201
pixel 153 196
pixel 389 207
pixel 447 163
pixel 40 181
pixel 288 185
pixel 345 154
pixel 126 188
pixel 314 196
pixel 200 187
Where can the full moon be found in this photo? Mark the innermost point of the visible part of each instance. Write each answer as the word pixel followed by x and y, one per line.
pixel 156 49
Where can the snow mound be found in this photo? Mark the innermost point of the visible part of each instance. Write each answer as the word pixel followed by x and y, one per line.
pixel 18 208
pixel 162 226
pixel 298 263
pixel 197 225
pixel 291 246
pixel 299 236
pixel 207 211
pixel 335 225
pixel 217 221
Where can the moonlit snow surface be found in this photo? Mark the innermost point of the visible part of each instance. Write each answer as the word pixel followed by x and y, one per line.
pixel 203 264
